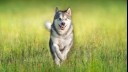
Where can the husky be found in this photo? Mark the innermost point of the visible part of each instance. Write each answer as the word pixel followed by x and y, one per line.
pixel 61 35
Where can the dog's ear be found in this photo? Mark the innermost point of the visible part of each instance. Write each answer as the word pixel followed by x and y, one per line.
pixel 56 9
pixel 69 12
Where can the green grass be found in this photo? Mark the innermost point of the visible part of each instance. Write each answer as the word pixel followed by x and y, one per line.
pixel 100 41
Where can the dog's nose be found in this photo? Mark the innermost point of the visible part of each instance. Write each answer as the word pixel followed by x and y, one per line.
pixel 63 23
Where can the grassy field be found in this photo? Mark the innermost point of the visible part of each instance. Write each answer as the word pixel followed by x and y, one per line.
pixel 100 41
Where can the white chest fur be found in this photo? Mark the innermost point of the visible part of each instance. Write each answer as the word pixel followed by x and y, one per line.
pixel 62 41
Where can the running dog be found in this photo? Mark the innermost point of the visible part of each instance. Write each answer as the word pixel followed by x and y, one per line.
pixel 61 35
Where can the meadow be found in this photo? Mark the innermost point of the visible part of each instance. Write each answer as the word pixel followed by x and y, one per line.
pixel 100 36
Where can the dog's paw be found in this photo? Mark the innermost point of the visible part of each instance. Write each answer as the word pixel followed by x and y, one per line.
pixel 57 61
pixel 64 58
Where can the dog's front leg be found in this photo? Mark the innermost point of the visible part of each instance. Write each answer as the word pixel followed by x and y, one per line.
pixel 58 52
pixel 57 60
pixel 66 50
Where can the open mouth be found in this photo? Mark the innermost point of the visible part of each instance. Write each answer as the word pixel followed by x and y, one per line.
pixel 62 27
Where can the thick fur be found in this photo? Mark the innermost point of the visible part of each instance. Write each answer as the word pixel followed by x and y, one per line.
pixel 61 35
pixel 48 25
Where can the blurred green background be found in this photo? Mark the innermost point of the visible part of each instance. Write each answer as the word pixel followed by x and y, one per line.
pixel 100 36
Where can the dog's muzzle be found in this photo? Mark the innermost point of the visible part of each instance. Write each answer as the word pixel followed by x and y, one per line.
pixel 62 26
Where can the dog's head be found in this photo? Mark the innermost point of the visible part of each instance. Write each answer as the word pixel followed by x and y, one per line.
pixel 62 19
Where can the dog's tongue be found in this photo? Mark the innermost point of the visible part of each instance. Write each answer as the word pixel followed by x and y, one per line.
pixel 62 28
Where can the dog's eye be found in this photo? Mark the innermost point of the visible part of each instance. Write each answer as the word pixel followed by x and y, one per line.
pixel 59 18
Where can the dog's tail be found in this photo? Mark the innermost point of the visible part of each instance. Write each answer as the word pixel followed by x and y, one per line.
pixel 48 25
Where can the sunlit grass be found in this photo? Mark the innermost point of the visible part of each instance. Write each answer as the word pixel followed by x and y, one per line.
pixel 99 37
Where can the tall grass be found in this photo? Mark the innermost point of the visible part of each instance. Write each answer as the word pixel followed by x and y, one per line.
pixel 100 40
